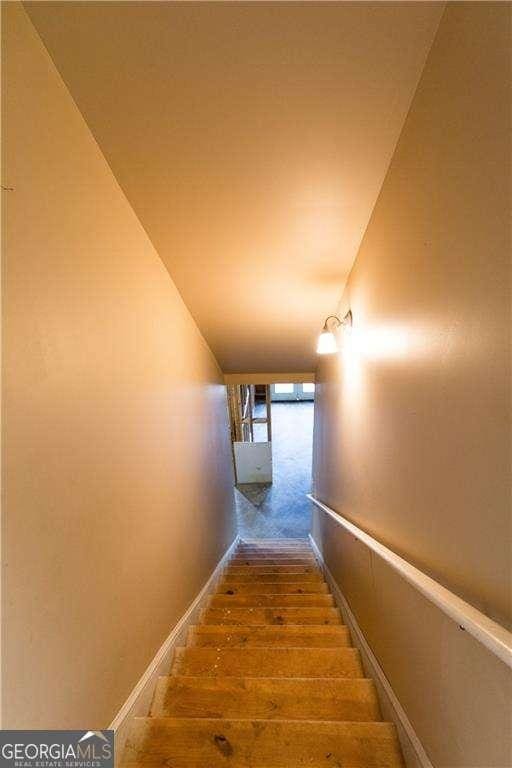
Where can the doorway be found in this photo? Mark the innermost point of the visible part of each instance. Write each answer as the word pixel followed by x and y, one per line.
pixel 279 419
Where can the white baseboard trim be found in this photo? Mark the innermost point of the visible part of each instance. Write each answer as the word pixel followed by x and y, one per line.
pixel 413 751
pixel 139 701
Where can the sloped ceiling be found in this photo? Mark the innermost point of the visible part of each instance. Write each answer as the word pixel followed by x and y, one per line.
pixel 252 140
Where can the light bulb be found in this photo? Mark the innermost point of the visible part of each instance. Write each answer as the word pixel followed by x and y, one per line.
pixel 326 343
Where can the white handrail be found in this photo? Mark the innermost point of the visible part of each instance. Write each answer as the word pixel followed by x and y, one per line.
pixel 493 636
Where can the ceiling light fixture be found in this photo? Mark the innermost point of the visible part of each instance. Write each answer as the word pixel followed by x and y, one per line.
pixel 327 343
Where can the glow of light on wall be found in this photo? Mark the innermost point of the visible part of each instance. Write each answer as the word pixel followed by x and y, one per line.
pixel 350 360
pixel 378 343
pixel 363 346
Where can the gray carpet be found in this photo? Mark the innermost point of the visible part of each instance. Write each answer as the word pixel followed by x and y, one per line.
pixel 281 510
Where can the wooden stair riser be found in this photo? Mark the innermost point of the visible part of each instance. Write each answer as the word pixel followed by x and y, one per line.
pixel 272 553
pixel 264 561
pixel 216 636
pixel 274 578
pixel 267 662
pixel 272 588
pixel 267 698
pixel 259 616
pixel 305 547
pixel 288 552
pixel 273 542
pixel 272 601
pixel 265 570
pixel 196 743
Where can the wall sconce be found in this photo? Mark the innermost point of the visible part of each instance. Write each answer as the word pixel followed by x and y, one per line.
pixel 327 343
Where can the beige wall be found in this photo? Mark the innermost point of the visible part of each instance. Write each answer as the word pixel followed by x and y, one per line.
pixel 413 420
pixel 117 464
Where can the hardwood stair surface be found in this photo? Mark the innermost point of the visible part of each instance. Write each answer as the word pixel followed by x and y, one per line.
pixel 272 587
pixel 274 552
pixel 306 615
pixel 271 601
pixel 268 677
pixel 290 636
pixel 273 562
pixel 274 575
pixel 257 567
pixel 266 698
pixel 268 662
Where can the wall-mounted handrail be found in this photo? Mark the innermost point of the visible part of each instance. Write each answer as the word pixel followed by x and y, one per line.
pixel 492 635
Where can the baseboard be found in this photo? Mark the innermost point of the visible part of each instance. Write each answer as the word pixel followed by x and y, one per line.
pixel 139 701
pixel 413 751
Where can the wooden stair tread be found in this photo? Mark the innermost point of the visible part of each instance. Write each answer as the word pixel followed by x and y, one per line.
pixel 281 600
pixel 266 553
pixel 272 587
pixel 289 552
pixel 203 743
pixel 325 698
pixel 277 553
pixel 277 547
pixel 268 662
pixel 265 561
pixel 270 551
pixel 274 575
pixel 274 542
pixel 307 636
pixel 260 570
pixel 272 616
pixel 273 552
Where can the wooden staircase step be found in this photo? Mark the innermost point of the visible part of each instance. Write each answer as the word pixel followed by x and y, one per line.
pixel 256 557
pixel 273 551
pixel 251 616
pixel 263 550
pixel 308 574
pixel 308 561
pixel 262 570
pixel 267 662
pixel 272 587
pixel 307 636
pixel 273 542
pixel 272 601
pixel 267 698
pixel 201 743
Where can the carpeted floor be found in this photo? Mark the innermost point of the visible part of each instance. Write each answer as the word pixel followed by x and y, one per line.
pixel 281 510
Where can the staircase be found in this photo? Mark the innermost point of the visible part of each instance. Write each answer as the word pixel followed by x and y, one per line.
pixel 268 679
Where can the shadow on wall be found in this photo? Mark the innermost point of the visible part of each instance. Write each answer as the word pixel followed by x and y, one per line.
pixel 281 509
